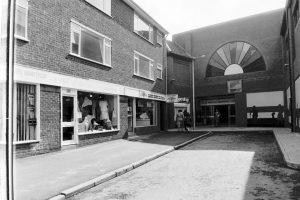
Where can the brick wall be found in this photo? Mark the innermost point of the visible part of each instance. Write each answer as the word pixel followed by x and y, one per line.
pixel 49 42
pixel 262 31
pixel 50 137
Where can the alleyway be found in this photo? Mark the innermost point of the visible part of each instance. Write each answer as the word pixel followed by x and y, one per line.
pixel 237 166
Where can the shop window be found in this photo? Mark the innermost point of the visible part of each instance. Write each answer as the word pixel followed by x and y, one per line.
pixel 90 45
pixel 159 38
pixel 103 5
pixel 143 28
pixel 145 113
pixel 143 66
pixel 97 112
pixel 26 113
pixel 21 19
pixel 160 71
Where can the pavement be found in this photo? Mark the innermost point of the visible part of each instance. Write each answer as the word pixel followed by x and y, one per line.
pixel 60 175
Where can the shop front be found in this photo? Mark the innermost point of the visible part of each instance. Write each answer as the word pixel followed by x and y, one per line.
pixel 87 114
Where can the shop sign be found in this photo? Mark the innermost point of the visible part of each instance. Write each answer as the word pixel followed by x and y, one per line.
pixel 172 98
pixel 153 96
pixel 234 86
pixel 183 100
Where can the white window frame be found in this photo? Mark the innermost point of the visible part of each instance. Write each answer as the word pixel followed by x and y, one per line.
pixel 151 73
pixel 38 116
pixel 138 18
pixel 24 6
pixel 160 70
pixel 77 27
pixel 159 35
pixel 102 6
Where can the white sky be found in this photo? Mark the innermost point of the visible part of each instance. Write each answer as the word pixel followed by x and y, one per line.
pixel 181 15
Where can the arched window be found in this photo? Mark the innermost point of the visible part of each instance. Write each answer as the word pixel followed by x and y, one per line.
pixel 235 58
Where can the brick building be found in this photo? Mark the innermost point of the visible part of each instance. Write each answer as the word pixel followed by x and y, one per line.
pixel 239 71
pixel 290 33
pixel 86 71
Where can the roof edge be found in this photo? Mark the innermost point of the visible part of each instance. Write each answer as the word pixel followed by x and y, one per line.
pixel 145 15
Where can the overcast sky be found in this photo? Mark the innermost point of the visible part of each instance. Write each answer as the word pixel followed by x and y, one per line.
pixel 182 15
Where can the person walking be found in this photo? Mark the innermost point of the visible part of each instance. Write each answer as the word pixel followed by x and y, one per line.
pixel 217 117
pixel 179 120
pixel 187 121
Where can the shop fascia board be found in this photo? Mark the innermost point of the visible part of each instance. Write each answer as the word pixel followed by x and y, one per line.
pixel 28 74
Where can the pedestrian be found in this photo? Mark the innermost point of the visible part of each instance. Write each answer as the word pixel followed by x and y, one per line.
pixel 280 120
pixel 179 120
pixel 217 117
pixel 187 121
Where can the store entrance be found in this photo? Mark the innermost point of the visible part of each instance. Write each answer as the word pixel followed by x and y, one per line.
pixel 208 108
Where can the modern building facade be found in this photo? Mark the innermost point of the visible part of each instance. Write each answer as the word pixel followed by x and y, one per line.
pixel 86 71
pixel 290 33
pixel 239 71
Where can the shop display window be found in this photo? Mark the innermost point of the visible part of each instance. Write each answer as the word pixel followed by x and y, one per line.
pixel 97 112
pixel 26 112
pixel 145 112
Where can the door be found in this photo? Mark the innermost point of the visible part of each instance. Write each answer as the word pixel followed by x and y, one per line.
pixel 130 115
pixel 68 120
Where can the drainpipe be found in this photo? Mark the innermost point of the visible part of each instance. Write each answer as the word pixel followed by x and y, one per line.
pixel 193 86
pixel 9 97
pixel 291 69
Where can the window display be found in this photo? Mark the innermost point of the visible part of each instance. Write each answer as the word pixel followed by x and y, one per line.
pixel 96 112
pixel 145 112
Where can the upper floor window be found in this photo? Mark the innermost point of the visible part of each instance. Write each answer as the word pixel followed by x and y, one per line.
pixel 159 38
pixel 89 44
pixel 160 71
pixel 21 18
pixel 103 5
pixel 143 66
pixel 143 28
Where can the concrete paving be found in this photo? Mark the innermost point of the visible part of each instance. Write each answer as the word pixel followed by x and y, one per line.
pixel 288 141
pixel 45 176
pixel 237 166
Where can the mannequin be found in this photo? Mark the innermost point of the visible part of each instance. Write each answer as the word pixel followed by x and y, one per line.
pixel 104 109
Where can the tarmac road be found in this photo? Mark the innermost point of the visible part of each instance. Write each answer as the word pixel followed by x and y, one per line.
pixel 237 166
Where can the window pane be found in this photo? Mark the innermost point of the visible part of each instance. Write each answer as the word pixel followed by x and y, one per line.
pixel 141 27
pixel 108 55
pixel 150 33
pixel 145 112
pixel 68 109
pixel 75 43
pixel 21 21
pixel 159 38
pixel 144 67
pixel 26 112
pixel 91 47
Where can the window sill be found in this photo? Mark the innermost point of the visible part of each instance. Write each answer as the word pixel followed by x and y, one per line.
pixel 159 78
pixel 26 142
pixel 98 132
pixel 144 38
pixel 150 79
pixel 21 38
pixel 92 61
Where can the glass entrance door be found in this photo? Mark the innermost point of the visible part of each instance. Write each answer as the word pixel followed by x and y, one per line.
pixel 68 120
